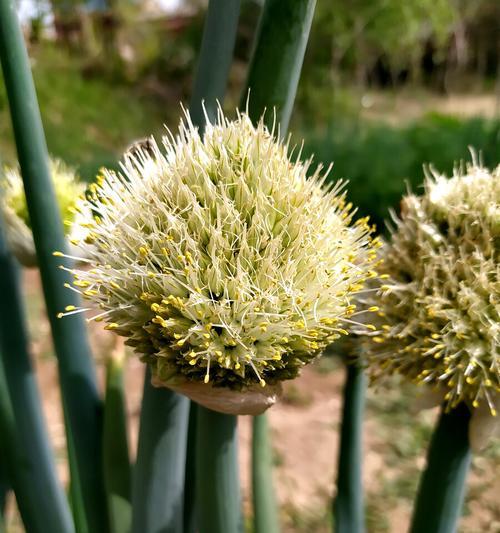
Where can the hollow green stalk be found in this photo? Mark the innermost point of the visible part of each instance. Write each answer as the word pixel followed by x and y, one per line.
pixel 76 370
pixel 190 475
pixel 167 483
pixel 217 482
pixel 442 486
pixel 264 501
pixel 117 471
pixel 216 53
pixel 75 488
pixel 272 83
pixel 214 62
pixel 277 59
pixel 158 478
pixel 348 508
pixel 52 511
pixel 18 472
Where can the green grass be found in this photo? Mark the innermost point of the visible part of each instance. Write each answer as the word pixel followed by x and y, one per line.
pixel 88 122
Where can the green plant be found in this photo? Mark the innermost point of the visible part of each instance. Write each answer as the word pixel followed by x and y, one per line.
pixel 437 324
pixel 80 396
pixel 272 81
pixel 348 507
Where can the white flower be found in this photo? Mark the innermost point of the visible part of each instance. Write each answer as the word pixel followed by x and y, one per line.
pixel 15 214
pixel 440 307
pixel 219 259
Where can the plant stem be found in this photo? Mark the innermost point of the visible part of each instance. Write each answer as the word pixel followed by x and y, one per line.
pixel 190 479
pixel 75 487
pixel 277 59
pixel 442 486
pixel 272 81
pixel 76 370
pixel 348 508
pixel 52 510
pixel 216 54
pixel 217 483
pixel 117 471
pixel 19 475
pixel 158 478
pixel 264 501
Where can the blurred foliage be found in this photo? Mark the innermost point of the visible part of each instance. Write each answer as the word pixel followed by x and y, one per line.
pixel 380 160
pixel 84 119
pixel 388 41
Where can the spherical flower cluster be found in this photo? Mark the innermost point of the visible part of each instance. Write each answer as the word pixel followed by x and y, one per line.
pixel 15 211
pixel 219 259
pixel 440 305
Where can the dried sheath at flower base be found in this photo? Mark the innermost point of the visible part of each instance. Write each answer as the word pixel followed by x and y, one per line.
pixel 14 210
pixel 440 305
pixel 222 262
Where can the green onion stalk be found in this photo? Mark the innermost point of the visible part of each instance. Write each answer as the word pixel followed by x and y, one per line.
pixel 441 492
pixel 164 495
pixel 272 83
pixel 52 509
pixel 158 487
pixel 117 469
pixel 76 369
pixel 206 448
pixel 437 324
pixel 348 508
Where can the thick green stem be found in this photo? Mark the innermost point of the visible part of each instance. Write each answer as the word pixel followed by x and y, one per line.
pixel 190 479
pixel 442 487
pixel 217 482
pixel 348 509
pixel 209 87
pixel 272 84
pixel 117 471
pixel 216 54
pixel 264 501
pixel 18 467
pixel 277 59
pixel 52 510
pixel 75 487
pixel 158 478
pixel 76 370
